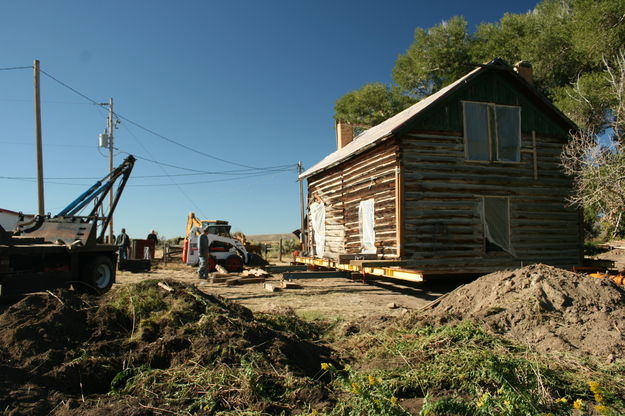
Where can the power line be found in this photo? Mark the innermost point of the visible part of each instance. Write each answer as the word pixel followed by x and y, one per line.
pixel 194 172
pixel 251 175
pixel 184 146
pixel 12 68
pixel 224 172
pixel 197 208
pixel 168 139
pixel 51 180
pixel 46 145
pixel 69 88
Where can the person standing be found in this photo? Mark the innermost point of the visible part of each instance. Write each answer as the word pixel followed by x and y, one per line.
pixel 123 242
pixel 152 241
pixel 204 253
pixel 153 237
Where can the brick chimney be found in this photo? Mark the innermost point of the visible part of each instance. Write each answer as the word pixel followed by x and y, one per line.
pixel 344 134
pixel 524 69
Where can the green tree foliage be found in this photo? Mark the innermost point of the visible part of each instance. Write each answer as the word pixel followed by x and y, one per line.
pixel 371 104
pixel 566 41
pixel 437 57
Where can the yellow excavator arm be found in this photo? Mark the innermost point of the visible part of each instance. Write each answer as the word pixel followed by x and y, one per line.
pixel 192 221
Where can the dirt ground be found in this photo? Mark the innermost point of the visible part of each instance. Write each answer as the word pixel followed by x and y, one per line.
pixel 549 309
pixel 327 298
pixel 61 350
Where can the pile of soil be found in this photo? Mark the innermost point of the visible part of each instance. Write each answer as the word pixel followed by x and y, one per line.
pixel 61 351
pixel 550 309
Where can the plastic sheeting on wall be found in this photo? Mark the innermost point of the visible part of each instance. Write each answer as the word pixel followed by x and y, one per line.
pixel 366 220
pixel 318 221
pixel 495 216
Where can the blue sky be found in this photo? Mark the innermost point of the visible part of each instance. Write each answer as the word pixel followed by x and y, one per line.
pixel 250 82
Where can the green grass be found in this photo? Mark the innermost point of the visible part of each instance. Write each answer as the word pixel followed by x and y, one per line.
pixel 464 370
pixel 458 370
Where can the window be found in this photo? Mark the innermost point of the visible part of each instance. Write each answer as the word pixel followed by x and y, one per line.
pixel 366 223
pixel 495 215
pixel 492 132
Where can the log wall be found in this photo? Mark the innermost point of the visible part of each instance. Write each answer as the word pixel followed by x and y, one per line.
pixel 442 191
pixel 369 175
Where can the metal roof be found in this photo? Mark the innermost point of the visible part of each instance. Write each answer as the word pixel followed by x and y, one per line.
pixel 384 130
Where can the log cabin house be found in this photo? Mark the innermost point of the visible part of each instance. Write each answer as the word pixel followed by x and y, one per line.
pixel 466 181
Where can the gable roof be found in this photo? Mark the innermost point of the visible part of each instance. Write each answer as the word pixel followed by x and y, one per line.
pixel 388 127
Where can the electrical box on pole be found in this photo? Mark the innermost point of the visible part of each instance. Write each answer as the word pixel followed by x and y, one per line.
pixel 103 140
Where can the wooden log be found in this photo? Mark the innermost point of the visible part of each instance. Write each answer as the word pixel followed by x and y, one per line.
pixel 244 280
pixel 314 275
pixel 165 286
pixel 282 269
pixel 290 285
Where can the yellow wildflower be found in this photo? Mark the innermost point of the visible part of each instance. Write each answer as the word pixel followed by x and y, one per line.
pixel 601 409
pixel 596 389
pixel 325 366
pixel 355 388
pixel 482 399
pixel 506 403
pixel 373 381
pixel 561 400
pixel 577 404
pixel 393 400
pixel 594 386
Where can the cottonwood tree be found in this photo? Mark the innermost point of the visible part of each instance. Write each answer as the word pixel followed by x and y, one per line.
pixel 564 40
pixel 595 154
pixel 371 105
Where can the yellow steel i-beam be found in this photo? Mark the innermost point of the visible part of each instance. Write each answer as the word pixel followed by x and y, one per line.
pixel 394 273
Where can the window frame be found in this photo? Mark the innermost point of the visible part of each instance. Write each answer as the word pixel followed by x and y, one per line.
pixel 493 142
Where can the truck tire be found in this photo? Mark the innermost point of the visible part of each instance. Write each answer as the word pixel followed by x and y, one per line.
pixel 97 276
pixel 233 263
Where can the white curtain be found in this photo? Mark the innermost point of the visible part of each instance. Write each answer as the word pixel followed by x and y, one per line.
pixel 366 220
pixel 496 218
pixel 318 221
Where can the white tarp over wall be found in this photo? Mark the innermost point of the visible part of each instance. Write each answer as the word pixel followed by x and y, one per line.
pixel 495 213
pixel 318 221
pixel 366 220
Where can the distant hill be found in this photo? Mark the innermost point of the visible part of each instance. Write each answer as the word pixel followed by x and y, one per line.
pixel 270 237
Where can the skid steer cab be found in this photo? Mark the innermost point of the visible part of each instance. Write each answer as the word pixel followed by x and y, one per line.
pixel 225 251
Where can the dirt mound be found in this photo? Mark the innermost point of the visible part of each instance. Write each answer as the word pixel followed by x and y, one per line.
pixel 550 309
pixel 61 351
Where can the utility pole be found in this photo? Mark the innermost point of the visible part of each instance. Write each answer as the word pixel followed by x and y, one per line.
pixel 301 205
pixel 39 152
pixel 106 140
pixel 111 127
